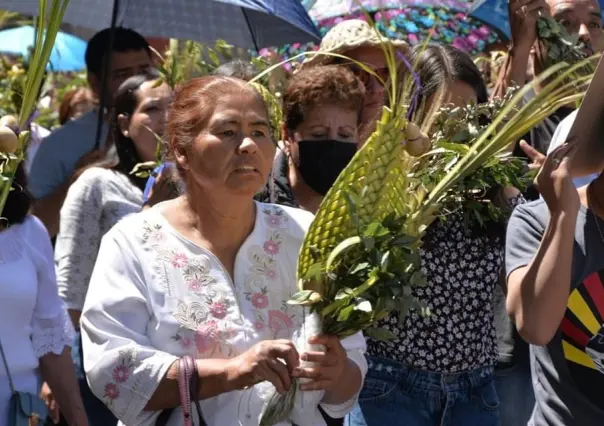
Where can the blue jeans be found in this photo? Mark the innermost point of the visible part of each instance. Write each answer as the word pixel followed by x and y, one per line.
pixel 97 412
pixel 515 390
pixel 394 394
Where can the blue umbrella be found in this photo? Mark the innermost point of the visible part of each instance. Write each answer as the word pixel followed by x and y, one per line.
pixel 495 14
pixel 67 53
pixel 248 24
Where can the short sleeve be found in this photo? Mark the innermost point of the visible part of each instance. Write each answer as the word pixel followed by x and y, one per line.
pixel 47 170
pixel 355 348
pixel 122 366
pixel 80 237
pixel 524 234
pixel 52 330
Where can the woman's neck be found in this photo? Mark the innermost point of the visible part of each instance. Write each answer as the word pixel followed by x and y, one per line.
pixel 306 197
pixel 217 222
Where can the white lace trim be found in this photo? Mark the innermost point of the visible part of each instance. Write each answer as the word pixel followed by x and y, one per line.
pixel 53 334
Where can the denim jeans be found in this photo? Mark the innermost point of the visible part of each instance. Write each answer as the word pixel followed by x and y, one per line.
pixel 515 390
pixel 394 394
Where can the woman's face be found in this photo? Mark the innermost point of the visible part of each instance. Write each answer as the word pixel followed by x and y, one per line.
pixel 458 94
pixel 149 117
pixel 329 122
pixel 234 152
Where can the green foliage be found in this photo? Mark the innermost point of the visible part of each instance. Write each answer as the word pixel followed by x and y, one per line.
pixel 456 130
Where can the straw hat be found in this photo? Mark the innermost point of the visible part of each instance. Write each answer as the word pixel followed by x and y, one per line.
pixel 349 35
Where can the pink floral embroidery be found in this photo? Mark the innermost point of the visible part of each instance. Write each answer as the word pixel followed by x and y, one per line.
pixel 259 300
pixel 194 284
pixel 206 336
pixel 185 342
pixel 179 260
pixel 271 247
pixel 259 325
pixel 111 391
pixel 218 310
pixel 279 321
pixel 273 221
pixel 121 373
pixel 270 273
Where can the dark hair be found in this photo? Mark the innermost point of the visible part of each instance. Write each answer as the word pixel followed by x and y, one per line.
pixel 193 106
pixel 124 40
pixel 318 86
pixel 438 66
pixel 19 200
pixel 237 69
pixel 126 101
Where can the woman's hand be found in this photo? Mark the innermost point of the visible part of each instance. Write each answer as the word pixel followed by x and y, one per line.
pixel 53 407
pixel 555 183
pixel 270 360
pixel 330 365
pixel 164 188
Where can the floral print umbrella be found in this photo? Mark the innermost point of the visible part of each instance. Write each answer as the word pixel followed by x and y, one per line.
pixel 441 21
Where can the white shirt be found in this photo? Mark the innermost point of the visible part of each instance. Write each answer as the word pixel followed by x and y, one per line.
pixel 95 202
pixel 155 296
pixel 559 138
pixel 33 320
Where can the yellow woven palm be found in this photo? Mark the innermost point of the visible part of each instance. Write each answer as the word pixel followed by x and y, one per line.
pixel 377 175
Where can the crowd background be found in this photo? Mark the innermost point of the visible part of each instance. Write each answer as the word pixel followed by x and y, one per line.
pixel 477 378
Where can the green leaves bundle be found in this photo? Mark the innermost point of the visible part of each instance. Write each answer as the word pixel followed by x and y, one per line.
pixel 47 27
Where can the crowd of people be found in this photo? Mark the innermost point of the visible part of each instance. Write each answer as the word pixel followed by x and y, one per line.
pixel 125 299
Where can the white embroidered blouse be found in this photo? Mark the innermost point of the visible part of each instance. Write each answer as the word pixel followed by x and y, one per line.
pixel 95 202
pixel 154 296
pixel 33 319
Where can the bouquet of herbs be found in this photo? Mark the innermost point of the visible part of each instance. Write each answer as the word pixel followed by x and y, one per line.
pixel 360 258
pixel 13 137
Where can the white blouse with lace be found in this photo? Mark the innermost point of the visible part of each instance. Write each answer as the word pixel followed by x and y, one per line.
pixel 96 201
pixel 154 296
pixel 33 319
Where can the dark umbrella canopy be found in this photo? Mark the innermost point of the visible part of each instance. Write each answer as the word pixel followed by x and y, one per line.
pixel 244 23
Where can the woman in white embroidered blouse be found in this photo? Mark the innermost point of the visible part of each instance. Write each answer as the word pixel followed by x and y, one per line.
pixel 208 274
pixel 35 330
pixel 103 195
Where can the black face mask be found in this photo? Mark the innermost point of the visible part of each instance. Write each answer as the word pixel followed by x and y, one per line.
pixel 321 161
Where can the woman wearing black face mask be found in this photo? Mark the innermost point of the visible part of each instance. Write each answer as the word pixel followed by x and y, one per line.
pixel 321 115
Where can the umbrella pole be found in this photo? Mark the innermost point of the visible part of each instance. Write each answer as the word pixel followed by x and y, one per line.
pixel 105 76
pixel 249 26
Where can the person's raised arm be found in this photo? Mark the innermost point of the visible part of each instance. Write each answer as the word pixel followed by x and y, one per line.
pixel 539 261
pixel 523 16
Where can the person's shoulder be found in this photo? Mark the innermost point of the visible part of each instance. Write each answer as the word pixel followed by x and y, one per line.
pixel 97 176
pixel 277 215
pixel 535 211
pixel 33 228
pixel 73 130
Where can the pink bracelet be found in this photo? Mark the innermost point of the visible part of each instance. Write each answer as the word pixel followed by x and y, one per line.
pixel 186 369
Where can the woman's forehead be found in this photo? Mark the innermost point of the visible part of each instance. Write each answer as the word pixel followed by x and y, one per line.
pixel 239 105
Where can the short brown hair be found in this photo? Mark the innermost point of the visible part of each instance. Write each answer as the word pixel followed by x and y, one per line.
pixel 194 104
pixel 330 84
